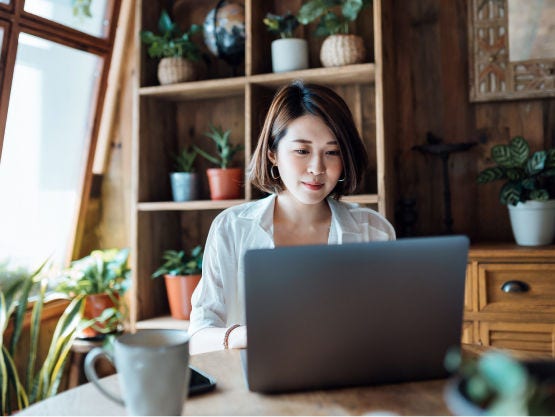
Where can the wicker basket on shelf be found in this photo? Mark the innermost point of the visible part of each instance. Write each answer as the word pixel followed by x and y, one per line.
pixel 338 50
pixel 176 70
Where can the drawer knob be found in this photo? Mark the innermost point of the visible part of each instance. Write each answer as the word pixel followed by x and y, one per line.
pixel 515 286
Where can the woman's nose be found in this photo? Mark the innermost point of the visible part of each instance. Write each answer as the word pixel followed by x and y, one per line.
pixel 316 166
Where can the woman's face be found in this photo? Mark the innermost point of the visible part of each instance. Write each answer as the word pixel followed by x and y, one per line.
pixel 309 160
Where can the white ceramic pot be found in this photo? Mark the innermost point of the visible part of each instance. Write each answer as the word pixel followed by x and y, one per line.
pixel 289 54
pixel 533 222
pixel 184 186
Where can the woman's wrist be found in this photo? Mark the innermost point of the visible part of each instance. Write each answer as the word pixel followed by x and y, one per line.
pixel 227 334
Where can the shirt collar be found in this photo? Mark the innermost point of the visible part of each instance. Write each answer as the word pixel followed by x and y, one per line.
pixel 263 211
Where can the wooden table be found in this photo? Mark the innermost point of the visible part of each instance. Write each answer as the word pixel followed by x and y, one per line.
pixel 231 397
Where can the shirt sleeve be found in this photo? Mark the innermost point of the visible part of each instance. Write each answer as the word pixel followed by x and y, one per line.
pixel 375 226
pixel 208 300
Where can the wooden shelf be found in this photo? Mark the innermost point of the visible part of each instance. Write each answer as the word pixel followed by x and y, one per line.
pixel 225 87
pixel 171 117
pixel 348 74
pixel 195 90
pixel 188 205
pixel 361 199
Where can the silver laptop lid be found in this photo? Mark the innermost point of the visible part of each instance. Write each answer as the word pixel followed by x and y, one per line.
pixel 328 316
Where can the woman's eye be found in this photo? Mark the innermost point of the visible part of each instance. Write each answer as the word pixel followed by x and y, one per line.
pixel 301 151
pixel 334 153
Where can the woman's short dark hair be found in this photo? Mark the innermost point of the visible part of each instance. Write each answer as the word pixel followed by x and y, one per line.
pixel 299 99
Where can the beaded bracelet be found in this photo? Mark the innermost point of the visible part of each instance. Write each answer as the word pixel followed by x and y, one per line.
pixel 227 333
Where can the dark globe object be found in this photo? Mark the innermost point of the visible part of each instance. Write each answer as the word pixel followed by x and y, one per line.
pixel 224 31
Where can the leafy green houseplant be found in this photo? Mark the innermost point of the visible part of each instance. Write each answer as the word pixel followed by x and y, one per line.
pixel 528 187
pixel 288 52
pixel 177 50
pixel 182 273
pixel 184 181
pixel 333 16
pixel 497 384
pixel 282 25
pixel 225 182
pixel 39 377
pixel 527 176
pixel 102 277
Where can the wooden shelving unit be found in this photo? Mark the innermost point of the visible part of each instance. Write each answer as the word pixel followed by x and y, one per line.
pixel 172 116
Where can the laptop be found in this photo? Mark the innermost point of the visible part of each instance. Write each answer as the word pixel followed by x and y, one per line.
pixel 330 316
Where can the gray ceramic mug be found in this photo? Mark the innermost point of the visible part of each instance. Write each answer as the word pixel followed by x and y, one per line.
pixel 153 371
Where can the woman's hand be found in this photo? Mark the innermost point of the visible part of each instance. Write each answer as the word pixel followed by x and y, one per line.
pixel 237 339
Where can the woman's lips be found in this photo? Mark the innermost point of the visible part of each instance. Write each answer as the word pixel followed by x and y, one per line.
pixel 313 186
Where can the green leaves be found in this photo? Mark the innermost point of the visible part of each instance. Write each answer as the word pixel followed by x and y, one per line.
pixel 495 382
pixel 184 161
pixel 226 150
pixel 528 177
pixel 171 42
pixel 103 271
pixel 81 8
pixel 334 15
pixel 177 263
pixel 283 25
pixel 45 382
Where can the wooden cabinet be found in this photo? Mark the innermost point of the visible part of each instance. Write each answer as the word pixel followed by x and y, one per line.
pixel 171 116
pixel 510 298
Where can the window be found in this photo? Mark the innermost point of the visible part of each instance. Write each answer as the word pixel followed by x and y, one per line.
pixel 61 11
pixel 55 76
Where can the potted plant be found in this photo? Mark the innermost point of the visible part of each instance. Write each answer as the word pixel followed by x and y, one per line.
pixel 497 384
pixel 184 180
pixel 528 190
pixel 27 379
pixel 288 53
pixel 177 50
pixel 225 182
pixel 101 277
pixel 182 274
pixel 339 47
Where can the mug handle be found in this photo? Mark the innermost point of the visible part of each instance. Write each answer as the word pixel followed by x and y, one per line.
pixel 90 372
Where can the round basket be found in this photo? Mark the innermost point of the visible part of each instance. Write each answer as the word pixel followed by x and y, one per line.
pixel 176 70
pixel 340 50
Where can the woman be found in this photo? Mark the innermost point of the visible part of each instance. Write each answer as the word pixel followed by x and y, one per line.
pixel 308 155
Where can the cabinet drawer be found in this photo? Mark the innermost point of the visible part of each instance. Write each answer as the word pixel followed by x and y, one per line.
pixel 536 280
pixel 534 338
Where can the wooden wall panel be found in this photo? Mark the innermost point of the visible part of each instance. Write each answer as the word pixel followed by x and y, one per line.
pixel 431 61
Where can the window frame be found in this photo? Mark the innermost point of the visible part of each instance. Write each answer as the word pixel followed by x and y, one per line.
pixel 14 20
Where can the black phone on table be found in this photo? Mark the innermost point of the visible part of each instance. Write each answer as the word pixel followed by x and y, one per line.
pixel 200 381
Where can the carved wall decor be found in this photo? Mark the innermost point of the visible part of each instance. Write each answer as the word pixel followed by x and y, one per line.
pixel 493 74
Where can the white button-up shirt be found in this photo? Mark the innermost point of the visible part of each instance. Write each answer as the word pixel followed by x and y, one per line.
pixel 219 300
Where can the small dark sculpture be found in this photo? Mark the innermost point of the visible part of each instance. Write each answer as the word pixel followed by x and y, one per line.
pixel 435 146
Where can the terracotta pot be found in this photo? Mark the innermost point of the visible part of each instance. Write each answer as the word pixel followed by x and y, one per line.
pixel 179 289
pixel 225 184
pixel 95 304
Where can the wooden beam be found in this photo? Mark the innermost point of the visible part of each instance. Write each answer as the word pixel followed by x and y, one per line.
pixel 113 89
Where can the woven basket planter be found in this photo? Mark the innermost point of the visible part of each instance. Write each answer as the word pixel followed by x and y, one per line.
pixel 176 70
pixel 338 50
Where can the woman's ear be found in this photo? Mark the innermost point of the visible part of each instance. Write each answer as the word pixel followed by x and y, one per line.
pixel 272 157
